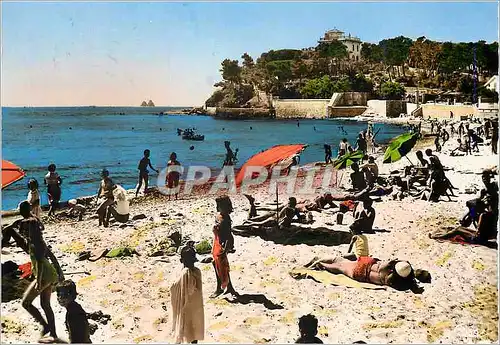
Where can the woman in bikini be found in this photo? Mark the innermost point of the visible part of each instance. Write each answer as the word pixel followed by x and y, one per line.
pixel 395 273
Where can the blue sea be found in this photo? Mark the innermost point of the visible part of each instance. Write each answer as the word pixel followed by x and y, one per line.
pixel 82 141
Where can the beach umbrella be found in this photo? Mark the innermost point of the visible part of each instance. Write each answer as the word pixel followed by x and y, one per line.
pixel 269 158
pixel 400 147
pixel 10 173
pixel 346 160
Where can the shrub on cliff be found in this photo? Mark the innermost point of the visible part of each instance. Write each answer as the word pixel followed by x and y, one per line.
pixel 231 96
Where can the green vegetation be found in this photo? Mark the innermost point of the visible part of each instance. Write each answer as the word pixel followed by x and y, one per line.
pixel 204 247
pixel 384 70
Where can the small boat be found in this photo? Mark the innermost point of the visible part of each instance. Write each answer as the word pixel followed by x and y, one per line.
pixel 189 134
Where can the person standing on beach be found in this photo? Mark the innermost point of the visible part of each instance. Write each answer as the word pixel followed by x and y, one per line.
pixel 143 171
pixel 173 176
pixel 229 160
pixel 494 137
pixel 328 153
pixel 53 182
pixel 222 245
pixel 47 273
pixel 186 296
pixel 343 147
pixel 106 190
pixel 361 143
pixel 34 198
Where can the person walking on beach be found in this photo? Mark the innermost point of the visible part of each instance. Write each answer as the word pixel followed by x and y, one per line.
pixel 106 190
pixel 186 296
pixel 143 171
pixel 53 182
pixel 343 147
pixel 328 153
pixel 222 245
pixel 173 175
pixel 47 273
pixel 34 198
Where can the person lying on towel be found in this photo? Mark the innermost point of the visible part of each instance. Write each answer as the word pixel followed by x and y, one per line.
pixel 397 274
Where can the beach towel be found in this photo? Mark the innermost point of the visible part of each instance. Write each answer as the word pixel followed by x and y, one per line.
pixel 328 278
pixel 120 252
pixel 186 297
pixel 442 235
pixel 25 270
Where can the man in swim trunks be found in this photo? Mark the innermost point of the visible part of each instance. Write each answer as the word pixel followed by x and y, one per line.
pixel 143 171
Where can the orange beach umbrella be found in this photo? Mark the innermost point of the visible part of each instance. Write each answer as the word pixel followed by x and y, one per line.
pixel 269 157
pixel 10 173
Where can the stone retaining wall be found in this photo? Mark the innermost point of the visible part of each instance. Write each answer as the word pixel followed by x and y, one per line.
pixel 301 108
pixel 242 113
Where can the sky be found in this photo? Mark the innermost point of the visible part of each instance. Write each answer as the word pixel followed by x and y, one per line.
pixel 111 53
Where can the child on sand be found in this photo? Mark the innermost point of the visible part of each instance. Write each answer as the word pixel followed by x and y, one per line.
pixel 77 323
pixel 53 182
pixel 143 171
pixel 186 295
pixel 76 209
pixel 34 198
pixel 308 328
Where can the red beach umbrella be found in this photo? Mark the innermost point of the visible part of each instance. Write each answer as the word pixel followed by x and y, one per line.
pixel 10 173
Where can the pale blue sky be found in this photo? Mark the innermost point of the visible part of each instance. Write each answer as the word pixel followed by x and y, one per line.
pixel 121 53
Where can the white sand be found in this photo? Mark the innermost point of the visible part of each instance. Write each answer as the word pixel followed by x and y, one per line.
pixel 133 290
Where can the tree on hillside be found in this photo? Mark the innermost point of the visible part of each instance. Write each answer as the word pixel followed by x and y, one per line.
pixel 282 54
pixel 318 88
pixel 392 91
pixel 396 51
pixel 424 54
pixel 372 52
pixel 247 61
pixel 335 52
pixel 299 70
pixel 231 71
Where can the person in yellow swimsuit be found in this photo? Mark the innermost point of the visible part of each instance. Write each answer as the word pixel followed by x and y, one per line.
pixel 47 274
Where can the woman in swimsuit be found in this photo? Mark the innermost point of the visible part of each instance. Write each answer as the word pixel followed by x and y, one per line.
pixel 47 273
pixel 395 273
pixel 53 182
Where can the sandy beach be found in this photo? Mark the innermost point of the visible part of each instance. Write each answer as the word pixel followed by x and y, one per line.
pixel 459 306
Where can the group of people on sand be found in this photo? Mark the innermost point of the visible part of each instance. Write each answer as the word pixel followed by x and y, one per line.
pixel 365 142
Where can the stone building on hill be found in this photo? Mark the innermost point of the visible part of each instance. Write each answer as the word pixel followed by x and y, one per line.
pixel 352 43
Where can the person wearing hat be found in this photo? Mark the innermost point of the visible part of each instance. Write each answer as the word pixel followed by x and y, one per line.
pixel 106 191
pixel 395 273
pixel 76 209
pixel 186 296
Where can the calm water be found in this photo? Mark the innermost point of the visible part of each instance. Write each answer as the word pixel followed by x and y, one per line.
pixel 83 140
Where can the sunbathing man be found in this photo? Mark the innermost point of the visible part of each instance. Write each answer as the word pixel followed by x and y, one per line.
pixel 488 195
pixel 319 203
pixel 222 245
pixel 395 273
pixel 285 217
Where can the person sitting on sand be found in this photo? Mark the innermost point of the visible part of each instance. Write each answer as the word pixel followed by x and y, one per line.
pixel 186 296
pixel 143 171
pixel 318 204
pixel 76 209
pixel 173 175
pixel 487 195
pixel 360 244
pixel 120 208
pixel 372 167
pixel 106 191
pixel 308 329
pixel 487 228
pixel 397 274
pixel 34 198
pixel 460 150
pixel 222 245
pixel 77 323
pixel 357 178
pixel 47 273
pixel 53 182
pixel 364 216
pixel 253 209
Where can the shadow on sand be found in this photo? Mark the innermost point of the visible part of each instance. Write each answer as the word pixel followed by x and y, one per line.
pixel 298 235
pixel 254 298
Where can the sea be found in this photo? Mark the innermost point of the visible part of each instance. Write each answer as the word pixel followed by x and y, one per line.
pixel 81 141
